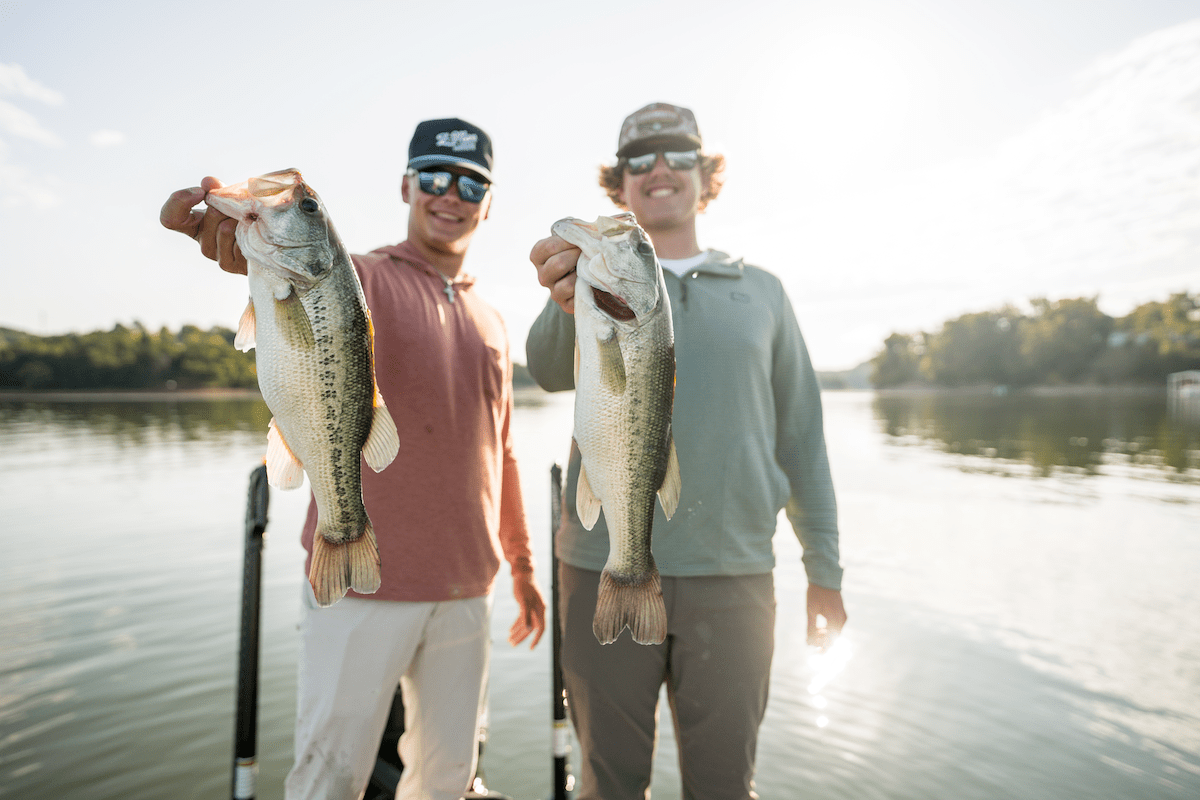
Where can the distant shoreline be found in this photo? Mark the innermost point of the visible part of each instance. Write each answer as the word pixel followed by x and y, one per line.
pixel 1066 390
pixel 531 391
pixel 125 395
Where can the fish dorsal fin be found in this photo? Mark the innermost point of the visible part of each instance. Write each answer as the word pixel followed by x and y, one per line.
pixel 244 340
pixel 382 442
pixel 612 364
pixel 668 493
pixel 293 323
pixel 587 505
pixel 284 470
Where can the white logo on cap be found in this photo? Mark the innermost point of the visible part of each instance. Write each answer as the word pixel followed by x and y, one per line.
pixel 458 141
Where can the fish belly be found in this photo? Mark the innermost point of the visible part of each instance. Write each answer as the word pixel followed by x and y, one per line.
pixel 623 439
pixel 321 395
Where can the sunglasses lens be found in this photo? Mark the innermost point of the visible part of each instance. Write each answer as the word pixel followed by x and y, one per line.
pixel 678 160
pixel 641 164
pixel 435 183
pixel 438 183
pixel 682 160
pixel 471 190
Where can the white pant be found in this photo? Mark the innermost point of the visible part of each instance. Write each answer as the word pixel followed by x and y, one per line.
pixel 352 654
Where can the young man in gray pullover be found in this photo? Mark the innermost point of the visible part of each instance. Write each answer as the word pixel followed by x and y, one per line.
pixel 748 430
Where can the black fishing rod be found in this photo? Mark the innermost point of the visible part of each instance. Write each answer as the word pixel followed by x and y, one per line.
pixel 245 729
pixel 564 782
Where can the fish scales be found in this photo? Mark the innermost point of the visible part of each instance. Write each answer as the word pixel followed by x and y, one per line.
pixel 327 388
pixel 625 379
pixel 311 329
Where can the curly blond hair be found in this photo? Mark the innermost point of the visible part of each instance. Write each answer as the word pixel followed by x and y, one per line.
pixel 612 179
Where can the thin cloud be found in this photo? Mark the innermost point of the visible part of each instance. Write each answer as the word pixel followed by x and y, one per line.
pixel 19 187
pixel 106 138
pixel 14 81
pixel 19 122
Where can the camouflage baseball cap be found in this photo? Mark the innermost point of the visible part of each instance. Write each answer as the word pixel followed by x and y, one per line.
pixel 658 125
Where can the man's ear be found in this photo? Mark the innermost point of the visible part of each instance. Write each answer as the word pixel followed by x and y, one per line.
pixel 404 189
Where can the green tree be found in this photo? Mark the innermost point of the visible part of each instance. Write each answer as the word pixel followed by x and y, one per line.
pixel 1062 339
pixel 974 349
pixel 897 364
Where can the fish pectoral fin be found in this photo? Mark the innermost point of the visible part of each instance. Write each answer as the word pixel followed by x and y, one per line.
pixel 244 340
pixel 612 364
pixel 634 601
pixel 339 567
pixel 587 505
pixel 294 325
pixel 668 493
pixel 284 470
pixel 383 442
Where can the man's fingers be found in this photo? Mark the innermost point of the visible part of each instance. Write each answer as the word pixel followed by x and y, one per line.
pixel 213 230
pixel 177 213
pixel 547 248
pixel 554 258
pixel 229 256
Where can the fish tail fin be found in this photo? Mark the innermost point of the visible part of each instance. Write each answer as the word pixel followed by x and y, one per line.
pixel 339 567
pixel 636 602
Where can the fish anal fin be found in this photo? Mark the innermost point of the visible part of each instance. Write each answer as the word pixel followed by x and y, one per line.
pixel 244 340
pixel 635 602
pixel 294 325
pixel 383 442
pixel 284 469
pixel 668 493
pixel 337 568
pixel 612 364
pixel 587 505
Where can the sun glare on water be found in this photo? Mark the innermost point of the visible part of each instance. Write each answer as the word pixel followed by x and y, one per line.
pixel 826 665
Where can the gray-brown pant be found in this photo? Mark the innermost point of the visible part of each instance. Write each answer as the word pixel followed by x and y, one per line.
pixel 716 663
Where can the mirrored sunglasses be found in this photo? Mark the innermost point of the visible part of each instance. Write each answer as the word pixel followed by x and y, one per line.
pixel 438 183
pixel 676 159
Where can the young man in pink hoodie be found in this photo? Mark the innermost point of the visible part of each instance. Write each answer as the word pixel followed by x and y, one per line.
pixel 445 511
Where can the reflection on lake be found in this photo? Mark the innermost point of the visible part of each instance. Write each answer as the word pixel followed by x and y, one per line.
pixel 1020 579
pixel 1079 434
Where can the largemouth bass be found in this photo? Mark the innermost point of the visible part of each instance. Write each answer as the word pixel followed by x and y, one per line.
pixel 624 391
pixel 309 324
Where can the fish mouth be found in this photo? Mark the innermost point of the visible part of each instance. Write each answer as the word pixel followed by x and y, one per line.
pixel 612 305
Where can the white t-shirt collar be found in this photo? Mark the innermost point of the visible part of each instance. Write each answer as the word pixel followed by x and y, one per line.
pixel 680 266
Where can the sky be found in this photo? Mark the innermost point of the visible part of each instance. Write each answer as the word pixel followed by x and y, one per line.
pixel 896 164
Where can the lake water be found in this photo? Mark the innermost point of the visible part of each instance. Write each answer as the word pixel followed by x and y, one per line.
pixel 1021 580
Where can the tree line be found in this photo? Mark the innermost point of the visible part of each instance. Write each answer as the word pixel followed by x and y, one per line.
pixel 1056 342
pixel 129 358
pixel 125 358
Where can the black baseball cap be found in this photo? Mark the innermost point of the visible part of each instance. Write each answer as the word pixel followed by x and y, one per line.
pixel 444 142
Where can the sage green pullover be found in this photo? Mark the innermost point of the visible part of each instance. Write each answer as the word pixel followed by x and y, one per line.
pixel 747 428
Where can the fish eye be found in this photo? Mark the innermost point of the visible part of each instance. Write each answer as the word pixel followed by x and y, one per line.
pixel 309 206
pixel 644 248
